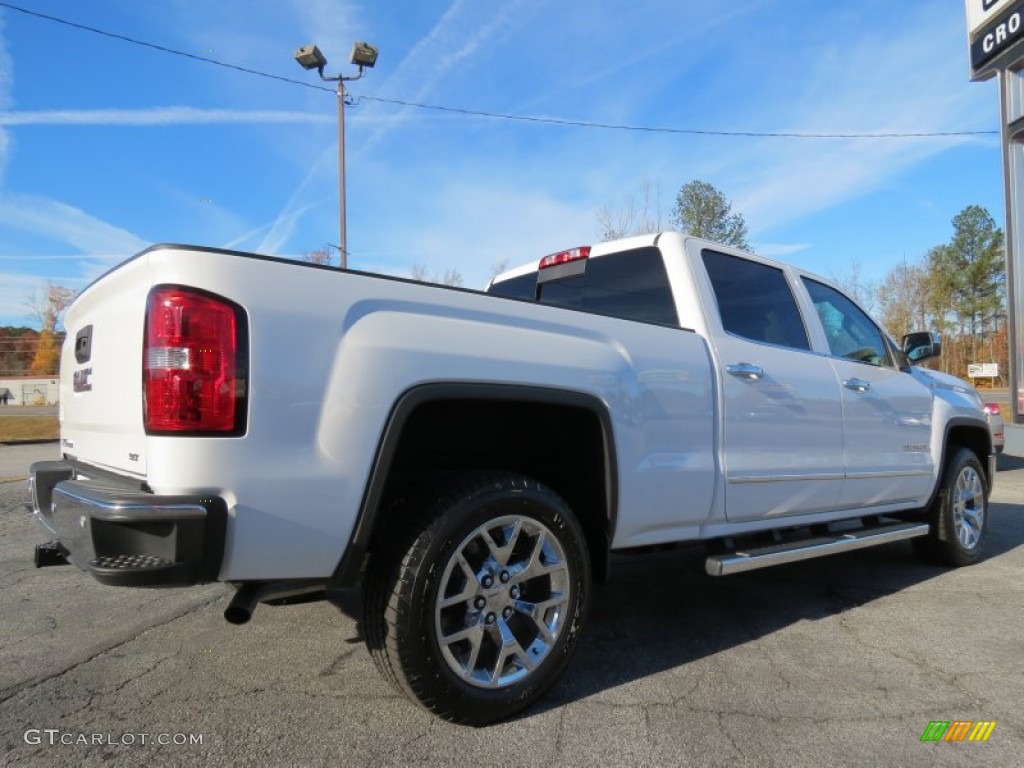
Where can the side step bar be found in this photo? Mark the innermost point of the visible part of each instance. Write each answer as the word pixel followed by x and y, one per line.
pixel 791 552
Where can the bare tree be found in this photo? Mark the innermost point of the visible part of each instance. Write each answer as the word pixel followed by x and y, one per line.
pixel 855 286
pixel 47 304
pixel 497 268
pixel 632 217
pixel 318 256
pixel 903 298
pixel 451 277
pixel 616 222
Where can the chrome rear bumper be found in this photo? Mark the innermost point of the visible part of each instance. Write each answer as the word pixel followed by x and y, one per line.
pixel 125 536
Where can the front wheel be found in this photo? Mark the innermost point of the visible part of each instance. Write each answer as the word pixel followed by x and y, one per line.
pixel 474 608
pixel 959 514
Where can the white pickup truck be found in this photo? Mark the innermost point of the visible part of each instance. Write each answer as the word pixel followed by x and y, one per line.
pixel 472 459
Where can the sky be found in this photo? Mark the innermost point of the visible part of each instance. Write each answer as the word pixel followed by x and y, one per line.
pixel 107 147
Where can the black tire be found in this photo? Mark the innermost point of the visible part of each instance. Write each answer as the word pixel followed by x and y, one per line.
pixel 959 514
pixel 474 605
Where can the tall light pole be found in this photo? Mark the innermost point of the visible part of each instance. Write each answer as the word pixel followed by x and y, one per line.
pixel 363 56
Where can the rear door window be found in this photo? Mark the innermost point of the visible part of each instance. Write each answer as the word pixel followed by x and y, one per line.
pixel 755 301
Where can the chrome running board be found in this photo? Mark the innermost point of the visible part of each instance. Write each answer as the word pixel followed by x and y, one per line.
pixel 791 552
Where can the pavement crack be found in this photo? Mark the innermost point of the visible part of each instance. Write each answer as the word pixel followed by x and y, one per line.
pixel 10 692
pixel 953 679
pixel 732 740
pixel 423 734
pixel 560 739
pixel 339 663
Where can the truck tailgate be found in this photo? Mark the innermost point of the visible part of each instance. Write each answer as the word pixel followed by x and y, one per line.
pixel 101 371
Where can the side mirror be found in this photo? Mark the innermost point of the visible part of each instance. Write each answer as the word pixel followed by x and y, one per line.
pixel 922 346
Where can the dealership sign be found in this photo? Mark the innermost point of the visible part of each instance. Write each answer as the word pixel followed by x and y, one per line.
pixel 995 41
pixel 983 370
pixel 981 12
pixel 993 28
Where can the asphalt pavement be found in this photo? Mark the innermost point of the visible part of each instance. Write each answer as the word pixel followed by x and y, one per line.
pixel 832 662
pixel 16 459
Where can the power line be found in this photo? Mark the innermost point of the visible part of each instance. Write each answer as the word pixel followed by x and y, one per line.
pixel 691 131
pixel 505 116
pixel 162 48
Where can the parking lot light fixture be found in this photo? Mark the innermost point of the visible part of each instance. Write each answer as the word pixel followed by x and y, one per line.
pixel 364 56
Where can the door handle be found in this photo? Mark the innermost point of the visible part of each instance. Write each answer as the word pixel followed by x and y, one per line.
pixel 857 385
pixel 745 371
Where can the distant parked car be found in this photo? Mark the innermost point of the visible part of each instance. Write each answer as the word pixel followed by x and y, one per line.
pixel 995 423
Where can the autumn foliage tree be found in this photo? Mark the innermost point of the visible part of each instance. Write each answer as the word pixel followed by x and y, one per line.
pixel 17 350
pixel 46 361
pixel 47 306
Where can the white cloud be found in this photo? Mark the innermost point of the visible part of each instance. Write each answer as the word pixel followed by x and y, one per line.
pixel 30 258
pixel 6 69
pixel 326 21
pixel 894 84
pixel 246 237
pixel 305 197
pixel 476 223
pixel 14 290
pixel 58 222
pixel 283 227
pixel 6 80
pixel 462 30
pixel 159 116
pixel 778 250
pixel 690 72
pixel 794 183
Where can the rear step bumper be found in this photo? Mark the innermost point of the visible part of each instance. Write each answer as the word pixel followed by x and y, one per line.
pixel 791 552
pixel 125 536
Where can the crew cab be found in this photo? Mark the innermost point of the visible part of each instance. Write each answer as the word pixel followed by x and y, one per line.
pixel 470 459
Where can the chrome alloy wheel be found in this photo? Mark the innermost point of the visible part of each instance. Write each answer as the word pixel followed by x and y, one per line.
pixel 968 507
pixel 502 601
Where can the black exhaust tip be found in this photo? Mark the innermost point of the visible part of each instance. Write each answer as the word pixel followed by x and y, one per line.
pixel 240 609
pixel 251 594
pixel 236 615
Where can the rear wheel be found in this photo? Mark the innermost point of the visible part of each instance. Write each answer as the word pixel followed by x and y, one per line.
pixel 959 514
pixel 474 609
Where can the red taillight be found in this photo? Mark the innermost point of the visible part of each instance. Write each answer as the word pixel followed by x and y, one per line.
pixel 192 370
pixel 563 257
pixel 992 408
